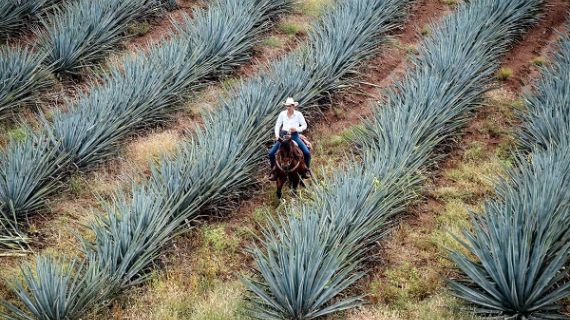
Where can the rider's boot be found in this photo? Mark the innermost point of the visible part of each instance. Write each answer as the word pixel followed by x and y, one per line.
pixel 306 174
pixel 273 175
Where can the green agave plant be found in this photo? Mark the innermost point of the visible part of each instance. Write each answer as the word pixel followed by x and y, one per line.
pixel 130 235
pixel 22 77
pixel 27 169
pixel 15 16
pixel 82 32
pixel 520 242
pixel 55 288
pixel 304 265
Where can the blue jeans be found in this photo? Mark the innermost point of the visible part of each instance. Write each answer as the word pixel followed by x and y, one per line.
pixel 302 146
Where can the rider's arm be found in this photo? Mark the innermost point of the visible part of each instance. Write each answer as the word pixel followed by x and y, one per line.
pixel 302 122
pixel 278 125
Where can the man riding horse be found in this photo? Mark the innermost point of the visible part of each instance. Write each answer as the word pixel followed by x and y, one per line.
pixel 290 122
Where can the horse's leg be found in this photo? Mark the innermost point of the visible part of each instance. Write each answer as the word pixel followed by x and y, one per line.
pixel 279 187
pixel 295 181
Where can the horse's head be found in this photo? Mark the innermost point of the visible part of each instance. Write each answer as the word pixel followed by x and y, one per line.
pixel 288 158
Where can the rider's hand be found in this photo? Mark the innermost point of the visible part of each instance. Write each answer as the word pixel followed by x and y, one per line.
pixel 293 129
pixel 276 138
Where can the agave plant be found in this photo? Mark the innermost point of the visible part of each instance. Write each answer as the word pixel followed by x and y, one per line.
pixel 27 171
pixel 130 235
pixel 12 241
pixel 80 34
pixel 546 118
pixel 301 249
pixel 22 77
pixel 16 15
pixel 55 288
pixel 520 242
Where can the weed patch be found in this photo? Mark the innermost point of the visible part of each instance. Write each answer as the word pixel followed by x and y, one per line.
pixel 503 74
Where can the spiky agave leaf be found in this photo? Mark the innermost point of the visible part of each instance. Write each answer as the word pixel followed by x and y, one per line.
pixel 16 15
pixel 546 116
pixel 12 241
pixel 303 266
pixel 520 242
pixel 27 171
pixel 79 34
pixel 130 235
pixel 22 77
pixel 55 288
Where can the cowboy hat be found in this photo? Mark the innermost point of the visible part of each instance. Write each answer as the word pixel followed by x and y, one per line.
pixel 290 101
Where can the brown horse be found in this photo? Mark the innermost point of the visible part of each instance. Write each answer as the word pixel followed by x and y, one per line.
pixel 289 164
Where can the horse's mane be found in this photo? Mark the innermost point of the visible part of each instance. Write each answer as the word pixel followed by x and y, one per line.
pixel 286 145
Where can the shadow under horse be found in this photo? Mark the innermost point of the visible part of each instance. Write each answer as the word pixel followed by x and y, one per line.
pixel 289 164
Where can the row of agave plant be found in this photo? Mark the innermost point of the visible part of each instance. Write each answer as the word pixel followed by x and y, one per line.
pixel 205 172
pixel 76 35
pixel 307 257
pixel 517 250
pixel 138 90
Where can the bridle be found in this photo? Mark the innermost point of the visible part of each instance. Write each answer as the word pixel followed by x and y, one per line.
pixel 278 161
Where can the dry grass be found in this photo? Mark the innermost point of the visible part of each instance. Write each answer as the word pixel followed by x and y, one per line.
pixel 313 7
pixel 433 308
pixel 168 299
pixel 148 149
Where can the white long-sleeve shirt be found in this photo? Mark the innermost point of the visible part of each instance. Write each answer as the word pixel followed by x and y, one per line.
pixel 295 121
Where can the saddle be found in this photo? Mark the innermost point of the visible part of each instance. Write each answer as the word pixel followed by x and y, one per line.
pixel 305 141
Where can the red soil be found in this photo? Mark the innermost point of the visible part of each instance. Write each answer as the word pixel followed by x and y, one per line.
pixel 534 44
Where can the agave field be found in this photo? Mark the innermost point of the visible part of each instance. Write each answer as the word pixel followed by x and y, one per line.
pixel 305 260
pixel 137 91
pixel 319 245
